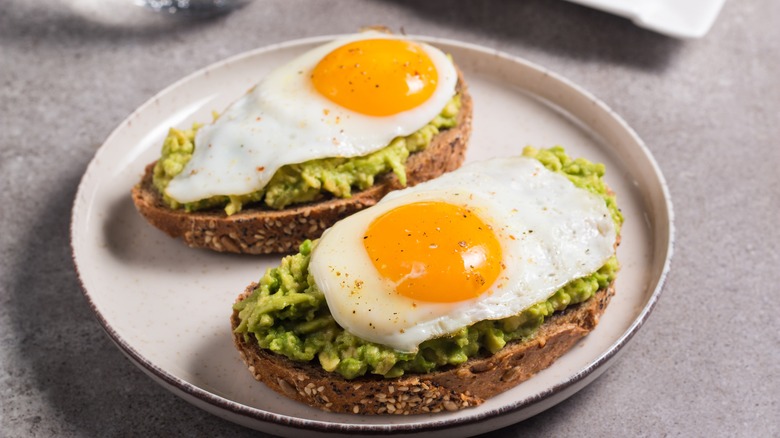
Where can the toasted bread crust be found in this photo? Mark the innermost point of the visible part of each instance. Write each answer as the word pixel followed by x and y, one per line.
pixel 259 230
pixel 451 389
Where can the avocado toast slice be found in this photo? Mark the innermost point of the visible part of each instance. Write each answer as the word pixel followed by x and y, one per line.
pixel 258 229
pixel 289 340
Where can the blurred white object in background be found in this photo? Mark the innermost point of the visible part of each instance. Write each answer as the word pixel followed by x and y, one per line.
pixel 677 18
pixel 195 7
pixel 126 15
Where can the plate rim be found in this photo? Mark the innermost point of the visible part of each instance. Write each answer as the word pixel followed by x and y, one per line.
pixel 256 414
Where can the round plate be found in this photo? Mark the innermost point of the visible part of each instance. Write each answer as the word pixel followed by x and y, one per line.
pixel 166 306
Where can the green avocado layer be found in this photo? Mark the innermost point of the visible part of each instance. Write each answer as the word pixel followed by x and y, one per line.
pixel 288 315
pixel 308 181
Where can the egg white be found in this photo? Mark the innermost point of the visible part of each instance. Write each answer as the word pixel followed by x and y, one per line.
pixel 284 120
pixel 550 231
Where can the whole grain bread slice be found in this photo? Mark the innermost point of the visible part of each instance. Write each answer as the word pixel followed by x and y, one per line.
pixel 450 389
pixel 259 230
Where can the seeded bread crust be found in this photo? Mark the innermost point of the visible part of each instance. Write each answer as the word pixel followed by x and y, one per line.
pixel 452 389
pixel 259 230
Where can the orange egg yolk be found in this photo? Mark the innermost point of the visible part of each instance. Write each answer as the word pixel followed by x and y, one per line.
pixel 376 77
pixel 434 251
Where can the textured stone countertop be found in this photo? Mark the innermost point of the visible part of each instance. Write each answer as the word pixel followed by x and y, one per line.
pixel 704 364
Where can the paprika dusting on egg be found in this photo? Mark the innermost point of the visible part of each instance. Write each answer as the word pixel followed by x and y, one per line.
pixel 434 251
pixel 376 77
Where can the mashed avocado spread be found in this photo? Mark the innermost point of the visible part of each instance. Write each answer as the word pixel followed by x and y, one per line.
pixel 288 315
pixel 308 181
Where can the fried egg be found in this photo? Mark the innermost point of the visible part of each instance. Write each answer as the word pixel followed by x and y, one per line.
pixel 347 98
pixel 484 242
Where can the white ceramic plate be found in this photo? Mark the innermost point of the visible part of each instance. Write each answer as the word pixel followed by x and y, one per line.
pixel 680 19
pixel 166 306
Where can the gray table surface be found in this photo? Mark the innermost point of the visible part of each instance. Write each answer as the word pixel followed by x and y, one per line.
pixel 705 364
